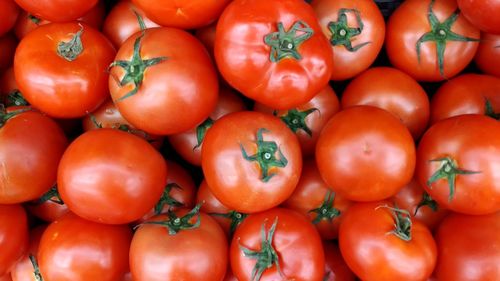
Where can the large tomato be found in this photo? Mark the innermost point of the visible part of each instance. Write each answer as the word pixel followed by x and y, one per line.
pixel 9 12
pixel 277 244
pixel 57 10
pixel 458 160
pixel 273 51
pixel 483 14
pixel 356 31
pixel 365 154
pixel 251 161
pixel 335 267
pixel 163 81
pixel 13 236
pixel 488 54
pixel 26 269
pixel 381 242
pixel 430 40
pixel 110 176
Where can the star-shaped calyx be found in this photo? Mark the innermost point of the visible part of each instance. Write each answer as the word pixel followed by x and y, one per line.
pixel 296 120
pixel 285 44
pixel 342 34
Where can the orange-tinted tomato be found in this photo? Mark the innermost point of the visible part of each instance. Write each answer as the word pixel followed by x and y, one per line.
pixel 13 236
pixel 57 10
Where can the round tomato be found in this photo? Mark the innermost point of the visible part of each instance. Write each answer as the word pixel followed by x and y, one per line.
pixel 393 90
pixel 163 81
pixel 9 12
pixel 365 154
pixel 185 245
pixel 488 54
pixel 110 176
pixel 483 14
pixel 8 44
pixel 335 267
pixel 430 40
pixel 458 160
pixel 27 269
pixel 57 10
pixel 73 248
pixel 13 236
pixel 356 32
pixel 381 242
pixel 273 51
pixel 49 207
pixel 251 155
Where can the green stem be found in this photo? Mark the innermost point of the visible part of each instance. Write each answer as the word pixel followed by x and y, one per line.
pixel 71 49
pixel 167 199
pixel 15 98
pixel 296 120
pixel 326 211
pixel 175 224
pixel 36 268
pixel 201 130
pixel 285 44
pixel 402 222
pixel 427 201
pixel 342 34
pixel 235 217
pixel 51 195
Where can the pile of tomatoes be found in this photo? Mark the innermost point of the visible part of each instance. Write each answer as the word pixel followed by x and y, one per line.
pixel 244 140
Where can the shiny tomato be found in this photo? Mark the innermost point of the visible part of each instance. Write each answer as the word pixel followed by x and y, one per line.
pixel 13 236
pixel 254 156
pixel 430 39
pixel 110 176
pixel 49 207
pixel 9 12
pixel 393 90
pixel 273 51
pixel 379 242
pixel 8 44
pixel 335 267
pixel 483 14
pixel 26 269
pixel 356 31
pixel 457 164
pixel 57 10
pixel 488 54
pixel 365 154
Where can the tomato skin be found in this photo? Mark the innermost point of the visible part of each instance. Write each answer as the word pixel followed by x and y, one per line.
pixel 335 267
pixel 7 84
pixel 7 277
pixel 8 44
pixel 14 236
pixel 23 270
pixel 48 211
pixel 206 35
pixel 9 12
pixel 468 247
pixel 488 54
pixel 243 57
pixel 113 190
pixel 365 154
pixel 212 205
pixel 348 64
pixel 483 14
pixel 57 10
pixel 393 90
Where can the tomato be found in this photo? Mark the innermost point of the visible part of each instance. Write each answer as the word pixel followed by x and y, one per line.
pixel 163 81
pixel 190 143
pixel 488 54
pixel 9 93
pixel 335 267
pixel 8 44
pixel 57 10
pixel 185 245
pixel 9 12
pixel 251 155
pixel 122 22
pixel 110 176
pixel 27 267
pixel 380 242
pixel 182 14
pixel 393 90
pixel 365 154
pixel 206 35
pixel 483 14
pixel 14 236
pixel 307 120
pixel 314 199
pixel 73 248
pixel 49 207
pixel 468 248
pixel 7 277
pixel 31 145
pixel 430 40
pixel 356 32
pixel 229 276
pixel 277 244
pixel 467 94
pixel 269 49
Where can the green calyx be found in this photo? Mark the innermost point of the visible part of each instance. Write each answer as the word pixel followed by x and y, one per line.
pixel 52 195
pixel 296 120
pixel 285 44
pixel 175 224
pixel 235 217
pixel 427 201
pixel 326 211
pixel 449 171
pixel 441 33
pixel 167 200
pixel 489 111
pixel 71 49
pixel 342 34
pixel 15 98
pixel 201 130
pixel 402 222
pixel 4 116
pixel 142 25
pixel 34 19
pixel 265 155
pixel 36 268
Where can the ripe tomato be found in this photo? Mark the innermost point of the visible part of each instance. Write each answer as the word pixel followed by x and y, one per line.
pixel 467 94
pixel 251 155
pixel 9 92
pixel 468 248
pixel 159 71
pixel 49 207
pixel 185 245
pixel 356 32
pixel 61 68
pixel 14 236
pixel 277 244
pixel 458 160
pixel 314 199
pixel 430 40
pixel 308 119
pixel 488 54
pixel 335 267
pixel 269 49
pixel 190 143
pixel 9 12
pixel 73 248
pixel 483 14
pixel 110 176
pixel 365 154
pixel 7 277
pixel 57 10
pixel 379 242
pixel 393 90
pixel 206 35
pixel 8 44
pixel 31 145
pixel 26 269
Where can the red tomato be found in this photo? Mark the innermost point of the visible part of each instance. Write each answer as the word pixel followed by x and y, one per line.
pixel 393 90
pixel 430 40
pixel 9 92
pixel 458 160
pixel 488 54
pixel 9 12
pixel 379 242
pixel 335 267
pixel 229 276
pixel 49 207
pixel 185 245
pixel 254 156
pixel 268 49
pixel 26 269
pixel 13 236
pixel 277 244
pixel 57 10
pixel 206 35
pixel 468 248
pixel 356 30
pixel 365 154
pixel 110 176
pixel 73 248
pixel 8 44
pixel 163 81
pixel 483 14
pixel 7 277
